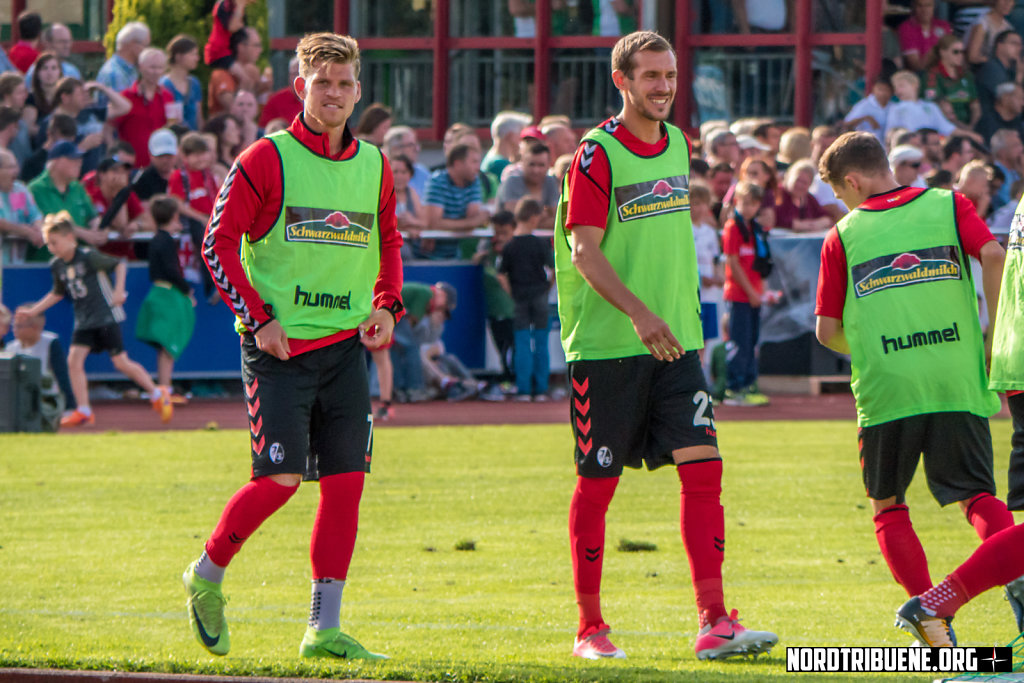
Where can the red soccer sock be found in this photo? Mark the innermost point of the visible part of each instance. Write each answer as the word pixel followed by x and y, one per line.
pixel 902 549
pixel 702 525
pixel 248 508
pixel 586 535
pixel 988 515
pixel 337 520
pixel 945 598
pixel 996 562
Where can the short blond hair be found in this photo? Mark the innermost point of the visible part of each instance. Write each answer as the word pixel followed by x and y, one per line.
pixel 638 41
pixel 316 49
pixel 59 223
pixel 908 77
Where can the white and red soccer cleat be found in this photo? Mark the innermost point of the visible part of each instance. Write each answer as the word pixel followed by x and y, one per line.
pixel 597 646
pixel 728 638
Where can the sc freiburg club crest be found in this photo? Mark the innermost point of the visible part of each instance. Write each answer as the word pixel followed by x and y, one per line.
pixel 324 226
pixel 652 198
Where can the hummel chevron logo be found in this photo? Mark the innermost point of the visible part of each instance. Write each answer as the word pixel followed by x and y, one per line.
pixel 719 543
pixel 254 407
pixel 235 538
pixel 255 428
pixel 612 125
pixel 208 640
pixel 585 446
pixel 257 446
pixel 582 408
pixel 250 389
pixel 583 427
pixel 581 387
pixel 587 156
pixel 592 554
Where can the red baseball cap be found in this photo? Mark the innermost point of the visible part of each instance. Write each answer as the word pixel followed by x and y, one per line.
pixel 532 132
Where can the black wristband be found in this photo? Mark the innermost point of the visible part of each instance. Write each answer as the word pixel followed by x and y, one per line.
pixel 394 309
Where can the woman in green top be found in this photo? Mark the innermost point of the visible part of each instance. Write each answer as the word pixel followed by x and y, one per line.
pixel 950 84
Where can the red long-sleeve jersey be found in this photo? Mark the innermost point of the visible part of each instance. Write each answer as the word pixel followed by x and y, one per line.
pixel 249 203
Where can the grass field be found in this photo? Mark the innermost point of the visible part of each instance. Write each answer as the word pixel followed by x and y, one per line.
pixel 96 530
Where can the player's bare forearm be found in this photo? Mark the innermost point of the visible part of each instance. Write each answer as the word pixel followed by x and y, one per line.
pixel 992 258
pixel 831 334
pixel 595 268
pixel 38 307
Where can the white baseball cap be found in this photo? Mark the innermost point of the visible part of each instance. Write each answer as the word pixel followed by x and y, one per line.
pixel 750 142
pixel 904 153
pixel 163 141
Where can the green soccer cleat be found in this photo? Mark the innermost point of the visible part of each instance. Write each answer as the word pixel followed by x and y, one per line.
pixel 331 642
pixel 206 612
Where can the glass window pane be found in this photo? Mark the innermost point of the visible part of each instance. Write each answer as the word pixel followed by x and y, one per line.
pixel 762 16
pixel 484 82
pixel 839 81
pixel 731 83
pixel 308 16
pixel 388 18
pixel 482 18
pixel 581 86
pixel 401 79
pixel 568 17
pixel 838 16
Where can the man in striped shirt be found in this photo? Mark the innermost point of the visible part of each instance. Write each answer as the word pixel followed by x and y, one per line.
pixel 454 201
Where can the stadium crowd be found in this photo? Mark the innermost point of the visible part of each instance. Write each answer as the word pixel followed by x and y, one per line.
pixel 948 107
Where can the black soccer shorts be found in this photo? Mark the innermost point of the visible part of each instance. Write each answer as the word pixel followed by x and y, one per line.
pixel 957 449
pixel 99 339
pixel 628 412
pixel 308 415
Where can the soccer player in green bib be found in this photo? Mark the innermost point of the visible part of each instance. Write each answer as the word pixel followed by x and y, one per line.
pixel 895 292
pixel 626 269
pixel 1007 374
pixel 304 246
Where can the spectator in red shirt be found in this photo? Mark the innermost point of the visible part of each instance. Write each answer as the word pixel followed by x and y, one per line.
pixel 153 105
pixel 228 19
pixel 247 46
pixel 195 186
pixel 23 53
pixel 743 291
pixel 919 32
pixel 121 210
pixel 228 27
pixel 283 104
pixel 795 207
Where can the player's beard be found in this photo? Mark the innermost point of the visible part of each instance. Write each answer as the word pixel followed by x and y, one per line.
pixel 645 109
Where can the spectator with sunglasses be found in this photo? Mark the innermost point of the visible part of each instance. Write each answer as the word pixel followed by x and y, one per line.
pixel 950 84
pixel 905 162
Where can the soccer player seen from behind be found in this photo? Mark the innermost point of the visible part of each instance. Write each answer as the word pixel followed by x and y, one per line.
pixel 304 247
pixel 83 274
pixel 895 292
pixel 628 301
